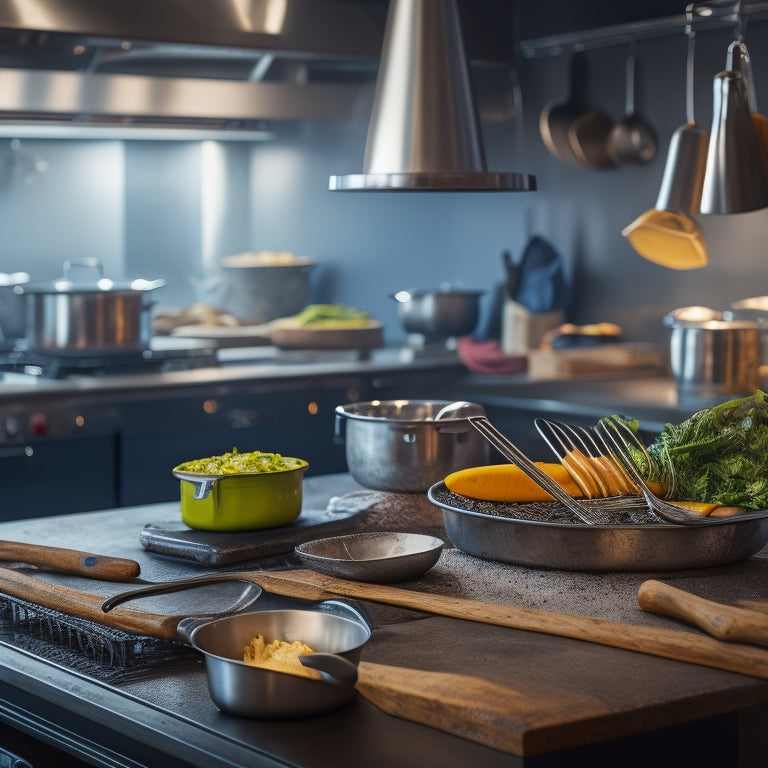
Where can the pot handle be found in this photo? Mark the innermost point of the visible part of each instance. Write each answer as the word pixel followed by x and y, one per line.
pixel 347 609
pixel 203 485
pixel 86 262
pixel 333 668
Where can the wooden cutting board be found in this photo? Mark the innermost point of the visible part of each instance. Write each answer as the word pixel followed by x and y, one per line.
pixel 286 333
pixel 605 358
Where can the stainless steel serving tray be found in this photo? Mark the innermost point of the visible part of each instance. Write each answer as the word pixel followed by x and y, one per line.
pixel 496 531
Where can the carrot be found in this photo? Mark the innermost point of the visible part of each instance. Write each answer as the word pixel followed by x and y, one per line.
pixel 507 482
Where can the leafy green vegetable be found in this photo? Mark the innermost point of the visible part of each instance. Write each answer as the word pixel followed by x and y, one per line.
pixel 235 463
pixel 719 455
pixel 333 314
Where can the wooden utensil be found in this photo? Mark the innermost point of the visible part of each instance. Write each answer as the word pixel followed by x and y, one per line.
pixel 672 644
pixel 486 712
pixel 725 622
pixel 70 561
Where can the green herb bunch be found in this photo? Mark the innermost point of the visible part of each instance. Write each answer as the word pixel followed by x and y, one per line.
pixel 720 454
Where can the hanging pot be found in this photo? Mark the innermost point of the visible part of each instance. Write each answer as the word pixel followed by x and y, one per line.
pixel 90 316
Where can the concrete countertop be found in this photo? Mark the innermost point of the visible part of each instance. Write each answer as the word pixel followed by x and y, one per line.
pixel 170 712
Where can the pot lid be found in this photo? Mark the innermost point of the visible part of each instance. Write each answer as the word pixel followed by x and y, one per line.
pixel 14 278
pixel 64 285
pixel 96 284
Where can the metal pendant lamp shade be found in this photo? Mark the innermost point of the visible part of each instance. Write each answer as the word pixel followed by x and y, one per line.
pixel 735 180
pixel 424 132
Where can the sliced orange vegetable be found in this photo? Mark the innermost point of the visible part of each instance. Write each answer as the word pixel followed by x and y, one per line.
pixel 507 482
pixel 703 508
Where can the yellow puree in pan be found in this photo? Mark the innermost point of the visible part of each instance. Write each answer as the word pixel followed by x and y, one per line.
pixel 279 656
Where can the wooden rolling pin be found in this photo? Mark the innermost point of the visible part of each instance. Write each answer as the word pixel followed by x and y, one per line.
pixel 70 561
pixel 725 622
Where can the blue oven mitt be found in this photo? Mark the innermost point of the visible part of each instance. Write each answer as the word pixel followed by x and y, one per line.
pixel 542 286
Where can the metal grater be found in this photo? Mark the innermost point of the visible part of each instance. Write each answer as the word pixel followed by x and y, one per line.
pixel 93 649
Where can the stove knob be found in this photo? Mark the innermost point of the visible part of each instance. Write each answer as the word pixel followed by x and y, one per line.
pixel 12 426
pixel 38 423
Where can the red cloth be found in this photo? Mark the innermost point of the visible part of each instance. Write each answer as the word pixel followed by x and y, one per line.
pixel 487 357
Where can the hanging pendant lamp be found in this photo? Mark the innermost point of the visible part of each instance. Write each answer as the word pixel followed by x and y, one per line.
pixel 424 132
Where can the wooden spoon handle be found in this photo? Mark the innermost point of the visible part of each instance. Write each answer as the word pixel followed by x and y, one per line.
pixel 70 561
pixel 85 605
pixel 725 622
pixel 681 645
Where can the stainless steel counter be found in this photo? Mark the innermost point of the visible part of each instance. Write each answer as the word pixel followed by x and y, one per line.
pixel 236 366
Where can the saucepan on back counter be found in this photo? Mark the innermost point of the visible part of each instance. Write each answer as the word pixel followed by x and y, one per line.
pixel 712 356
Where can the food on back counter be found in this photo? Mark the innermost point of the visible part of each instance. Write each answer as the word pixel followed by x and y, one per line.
pixel 264 259
pixel 236 463
pixel 198 314
pixel 569 335
pixel 719 455
pixel 333 316
pixel 279 656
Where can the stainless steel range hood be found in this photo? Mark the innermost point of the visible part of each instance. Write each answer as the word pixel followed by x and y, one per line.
pixel 424 132
pixel 76 68
pixel 219 65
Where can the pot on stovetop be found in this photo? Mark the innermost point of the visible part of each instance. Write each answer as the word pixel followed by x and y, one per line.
pixel 97 315
pixel 441 314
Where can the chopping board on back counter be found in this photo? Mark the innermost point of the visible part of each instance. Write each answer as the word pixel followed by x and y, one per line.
pixel 318 326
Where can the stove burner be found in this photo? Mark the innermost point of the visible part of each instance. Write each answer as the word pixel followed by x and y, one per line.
pixel 55 365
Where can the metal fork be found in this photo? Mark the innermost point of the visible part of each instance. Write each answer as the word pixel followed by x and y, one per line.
pixel 619 440
pixel 592 514
pixel 613 439
pixel 596 474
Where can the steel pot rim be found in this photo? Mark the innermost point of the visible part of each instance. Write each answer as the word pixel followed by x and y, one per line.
pixel 404 296
pixel 65 287
pixel 343 410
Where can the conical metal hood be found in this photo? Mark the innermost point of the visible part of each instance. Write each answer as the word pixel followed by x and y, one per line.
pixel 424 133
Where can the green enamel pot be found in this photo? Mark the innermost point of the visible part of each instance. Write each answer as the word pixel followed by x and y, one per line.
pixel 240 502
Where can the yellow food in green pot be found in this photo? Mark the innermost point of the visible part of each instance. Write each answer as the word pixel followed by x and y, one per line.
pixel 235 463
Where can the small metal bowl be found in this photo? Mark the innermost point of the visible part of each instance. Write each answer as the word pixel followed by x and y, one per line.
pixel 380 557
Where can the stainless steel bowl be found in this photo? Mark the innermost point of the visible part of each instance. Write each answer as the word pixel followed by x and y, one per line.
pixel 439 315
pixel 397 445
pixel 380 557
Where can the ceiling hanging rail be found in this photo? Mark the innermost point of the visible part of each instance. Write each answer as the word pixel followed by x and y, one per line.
pixel 709 15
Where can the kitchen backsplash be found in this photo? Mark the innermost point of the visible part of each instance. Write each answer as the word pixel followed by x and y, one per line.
pixel 173 209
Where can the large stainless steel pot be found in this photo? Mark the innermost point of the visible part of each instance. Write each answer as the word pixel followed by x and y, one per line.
pixel 264 286
pixel 442 314
pixel 715 358
pixel 397 445
pixel 94 316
